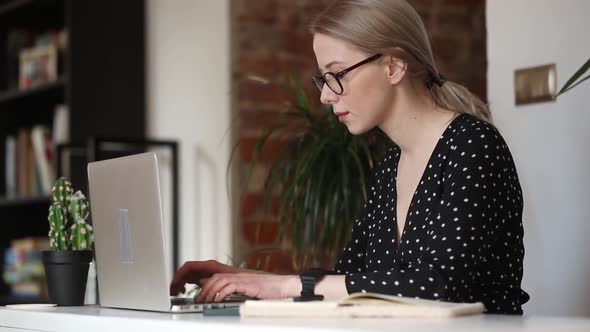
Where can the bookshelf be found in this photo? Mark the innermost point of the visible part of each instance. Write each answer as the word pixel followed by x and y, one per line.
pixel 99 79
pixel 53 90
pixel 23 201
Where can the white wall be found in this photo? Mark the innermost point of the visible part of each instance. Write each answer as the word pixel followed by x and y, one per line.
pixel 188 67
pixel 549 142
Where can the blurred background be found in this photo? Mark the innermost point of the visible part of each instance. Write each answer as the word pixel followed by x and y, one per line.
pixel 203 79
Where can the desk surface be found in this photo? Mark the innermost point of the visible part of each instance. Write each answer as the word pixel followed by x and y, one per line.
pixel 91 318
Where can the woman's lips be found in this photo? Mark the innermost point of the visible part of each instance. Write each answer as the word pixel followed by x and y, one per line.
pixel 341 115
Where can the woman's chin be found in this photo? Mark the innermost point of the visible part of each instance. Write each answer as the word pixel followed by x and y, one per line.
pixel 356 130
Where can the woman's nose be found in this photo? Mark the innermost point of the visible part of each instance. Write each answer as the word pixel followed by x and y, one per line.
pixel 328 96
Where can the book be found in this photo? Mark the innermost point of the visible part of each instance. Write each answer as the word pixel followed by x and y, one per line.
pixel 15 41
pixel 31 170
pixel 22 165
pixel 30 244
pixel 60 135
pixel 23 267
pixel 359 305
pixel 28 288
pixel 61 124
pixel 10 167
pixel 43 162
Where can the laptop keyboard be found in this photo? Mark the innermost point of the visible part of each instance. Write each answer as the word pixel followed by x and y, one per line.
pixel 228 299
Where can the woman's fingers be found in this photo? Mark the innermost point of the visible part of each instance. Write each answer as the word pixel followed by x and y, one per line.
pixel 222 285
pixel 212 287
pixel 229 289
pixel 191 272
pixel 205 288
pixel 195 271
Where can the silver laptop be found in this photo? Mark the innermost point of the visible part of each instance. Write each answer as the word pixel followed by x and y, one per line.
pixel 132 259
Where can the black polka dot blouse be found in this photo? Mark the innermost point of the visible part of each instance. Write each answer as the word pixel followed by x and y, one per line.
pixel 463 236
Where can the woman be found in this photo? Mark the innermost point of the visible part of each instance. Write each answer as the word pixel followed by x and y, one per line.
pixel 443 219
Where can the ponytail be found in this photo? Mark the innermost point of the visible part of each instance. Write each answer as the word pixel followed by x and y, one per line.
pixel 457 98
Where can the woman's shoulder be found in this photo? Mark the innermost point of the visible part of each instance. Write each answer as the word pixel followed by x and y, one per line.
pixel 477 141
pixel 471 133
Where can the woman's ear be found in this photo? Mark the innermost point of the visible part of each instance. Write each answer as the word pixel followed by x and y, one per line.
pixel 396 69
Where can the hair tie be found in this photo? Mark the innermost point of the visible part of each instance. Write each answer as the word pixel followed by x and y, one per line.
pixel 432 79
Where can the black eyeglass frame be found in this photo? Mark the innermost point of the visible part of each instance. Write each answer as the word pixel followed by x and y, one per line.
pixel 320 80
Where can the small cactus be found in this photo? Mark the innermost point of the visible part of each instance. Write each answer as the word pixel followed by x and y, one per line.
pixel 67 219
pixel 62 190
pixel 81 236
pixel 57 227
pixel 78 206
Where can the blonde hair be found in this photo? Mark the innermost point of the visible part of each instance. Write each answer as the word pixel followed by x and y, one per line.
pixel 393 27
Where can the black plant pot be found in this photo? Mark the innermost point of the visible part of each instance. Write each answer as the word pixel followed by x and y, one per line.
pixel 66 272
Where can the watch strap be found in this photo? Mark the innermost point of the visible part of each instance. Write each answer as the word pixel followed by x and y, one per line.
pixel 309 280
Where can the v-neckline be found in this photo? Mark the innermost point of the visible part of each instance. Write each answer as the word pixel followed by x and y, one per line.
pixel 437 147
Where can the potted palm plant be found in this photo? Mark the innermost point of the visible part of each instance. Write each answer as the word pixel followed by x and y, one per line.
pixel 319 177
pixel 576 79
pixel 71 240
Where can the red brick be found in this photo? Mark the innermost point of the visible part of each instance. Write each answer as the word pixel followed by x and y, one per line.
pixel 424 6
pixel 260 233
pixel 297 41
pixel 257 11
pixel 262 93
pixel 256 35
pixel 450 49
pixel 275 261
pixel 256 124
pixel 467 7
pixel 253 203
pixel 251 119
pixel 252 176
pixel 269 152
pixel 259 62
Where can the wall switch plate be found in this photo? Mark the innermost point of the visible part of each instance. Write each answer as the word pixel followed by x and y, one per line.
pixel 535 84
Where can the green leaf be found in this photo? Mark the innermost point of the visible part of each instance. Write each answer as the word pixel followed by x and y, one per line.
pixel 362 180
pixel 572 79
pixel 576 84
pixel 301 103
pixel 260 143
pixel 228 168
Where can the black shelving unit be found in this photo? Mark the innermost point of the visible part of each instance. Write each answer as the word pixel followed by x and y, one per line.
pixel 23 201
pixel 102 83
pixel 54 89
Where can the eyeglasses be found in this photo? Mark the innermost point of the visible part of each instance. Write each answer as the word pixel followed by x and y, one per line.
pixel 333 79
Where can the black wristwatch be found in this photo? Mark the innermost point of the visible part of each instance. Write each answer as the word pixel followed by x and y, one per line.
pixel 309 279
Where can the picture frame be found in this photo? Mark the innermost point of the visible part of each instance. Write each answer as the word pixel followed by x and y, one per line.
pixel 37 66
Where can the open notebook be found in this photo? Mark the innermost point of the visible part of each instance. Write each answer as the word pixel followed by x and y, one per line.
pixel 360 305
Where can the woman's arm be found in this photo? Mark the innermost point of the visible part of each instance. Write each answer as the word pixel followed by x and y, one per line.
pixel 267 286
pixel 332 287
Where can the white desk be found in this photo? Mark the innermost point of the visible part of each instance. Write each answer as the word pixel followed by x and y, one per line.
pixel 91 319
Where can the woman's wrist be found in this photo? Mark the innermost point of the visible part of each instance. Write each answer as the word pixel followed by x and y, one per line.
pixel 291 286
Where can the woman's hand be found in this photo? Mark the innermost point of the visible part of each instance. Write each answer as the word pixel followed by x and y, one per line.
pixel 197 272
pixel 255 285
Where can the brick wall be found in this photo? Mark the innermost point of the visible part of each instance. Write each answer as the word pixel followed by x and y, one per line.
pixel 272 44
